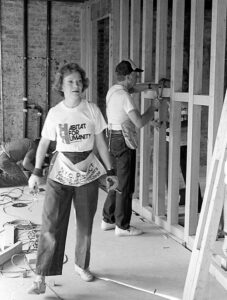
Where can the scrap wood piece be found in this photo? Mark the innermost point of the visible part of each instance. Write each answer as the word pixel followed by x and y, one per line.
pixel 216 270
pixel 9 252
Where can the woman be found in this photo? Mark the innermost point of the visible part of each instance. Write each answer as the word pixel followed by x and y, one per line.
pixel 76 125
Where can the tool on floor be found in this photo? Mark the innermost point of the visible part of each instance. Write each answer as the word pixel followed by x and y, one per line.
pixel 210 215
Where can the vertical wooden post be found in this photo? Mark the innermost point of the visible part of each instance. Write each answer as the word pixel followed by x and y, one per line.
pixel 124 29
pixel 135 56
pixel 194 117
pixel 87 57
pixel 217 65
pixel 114 39
pixel 145 136
pixel 159 170
pixel 175 109
pixel 209 219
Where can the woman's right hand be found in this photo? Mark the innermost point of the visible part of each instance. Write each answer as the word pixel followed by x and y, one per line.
pixel 33 183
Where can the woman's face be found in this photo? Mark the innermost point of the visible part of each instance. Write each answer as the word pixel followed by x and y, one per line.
pixel 72 85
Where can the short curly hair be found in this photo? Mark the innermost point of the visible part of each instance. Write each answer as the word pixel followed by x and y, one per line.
pixel 66 70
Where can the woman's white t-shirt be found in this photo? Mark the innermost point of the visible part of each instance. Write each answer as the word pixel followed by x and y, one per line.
pixel 73 128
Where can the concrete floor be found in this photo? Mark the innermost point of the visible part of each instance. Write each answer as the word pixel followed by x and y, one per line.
pixel 150 266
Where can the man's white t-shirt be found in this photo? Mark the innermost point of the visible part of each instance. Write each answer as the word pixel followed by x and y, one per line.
pixel 118 104
pixel 73 128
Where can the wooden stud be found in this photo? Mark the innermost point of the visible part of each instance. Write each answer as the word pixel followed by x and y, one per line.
pixel 159 158
pixel 124 29
pixel 209 217
pixel 217 65
pixel 114 39
pixel 194 117
pixel 135 56
pixel 9 252
pixel 145 136
pixel 175 110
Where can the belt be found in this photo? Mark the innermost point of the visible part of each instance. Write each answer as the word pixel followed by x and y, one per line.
pixel 115 131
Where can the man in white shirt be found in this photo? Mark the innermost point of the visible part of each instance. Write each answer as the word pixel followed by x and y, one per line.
pixel 120 108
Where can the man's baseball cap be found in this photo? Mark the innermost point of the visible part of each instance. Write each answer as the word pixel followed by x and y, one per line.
pixel 126 67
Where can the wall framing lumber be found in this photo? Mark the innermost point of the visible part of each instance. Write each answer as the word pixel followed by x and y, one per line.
pixel 86 45
pixel 217 65
pixel 175 110
pixel 124 29
pixel 9 252
pixel 145 136
pixel 159 157
pixel 209 218
pixel 114 39
pixel 135 56
pixel 194 117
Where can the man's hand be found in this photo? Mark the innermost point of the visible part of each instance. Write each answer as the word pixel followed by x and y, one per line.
pixel 156 104
pixel 112 182
pixel 156 123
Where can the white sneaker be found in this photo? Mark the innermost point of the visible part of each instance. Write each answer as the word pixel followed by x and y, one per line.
pixel 37 288
pixel 131 231
pixel 107 226
pixel 85 274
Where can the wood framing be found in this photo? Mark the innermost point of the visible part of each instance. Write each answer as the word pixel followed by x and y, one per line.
pixel 175 111
pixel 159 157
pixel 194 116
pixel 124 29
pixel 210 217
pixel 131 28
pixel 145 136
pixel 218 42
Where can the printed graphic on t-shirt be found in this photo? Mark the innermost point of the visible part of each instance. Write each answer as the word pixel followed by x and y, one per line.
pixel 74 133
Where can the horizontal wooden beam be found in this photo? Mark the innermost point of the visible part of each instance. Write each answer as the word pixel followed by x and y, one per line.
pixel 151 94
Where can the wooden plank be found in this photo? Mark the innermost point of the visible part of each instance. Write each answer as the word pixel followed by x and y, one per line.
pixel 83 36
pixel 197 99
pixel 181 97
pixel 114 39
pixel 9 252
pixel 175 111
pixel 135 31
pixel 93 61
pixel 209 217
pixel 194 117
pixel 219 274
pixel 135 56
pixel 145 136
pixel 151 94
pixel 124 29
pixel 217 65
pixel 159 158
pixel 8 235
pixel 88 50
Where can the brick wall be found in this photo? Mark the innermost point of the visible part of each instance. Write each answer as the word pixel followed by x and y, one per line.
pixel 65 47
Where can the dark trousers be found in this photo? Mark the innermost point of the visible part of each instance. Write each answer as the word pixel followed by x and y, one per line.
pixel 183 165
pixel 55 218
pixel 10 173
pixel 118 207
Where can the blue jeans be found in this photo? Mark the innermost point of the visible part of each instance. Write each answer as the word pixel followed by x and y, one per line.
pixel 118 207
pixel 55 218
